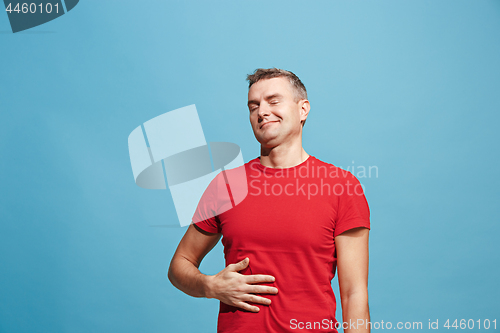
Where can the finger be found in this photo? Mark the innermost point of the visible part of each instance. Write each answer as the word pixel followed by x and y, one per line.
pixel 247 307
pixel 239 265
pixel 256 299
pixel 257 278
pixel 261 290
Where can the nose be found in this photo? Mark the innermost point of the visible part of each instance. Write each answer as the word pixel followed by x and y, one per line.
pixel 263 110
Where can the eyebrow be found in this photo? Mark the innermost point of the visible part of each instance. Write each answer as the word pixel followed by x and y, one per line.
pixel 267 98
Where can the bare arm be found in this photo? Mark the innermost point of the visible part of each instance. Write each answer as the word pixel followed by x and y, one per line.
pixel 352 262
pixel 183 271
pixel 228 285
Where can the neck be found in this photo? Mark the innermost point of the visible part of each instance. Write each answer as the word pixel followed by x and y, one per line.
pixel 285 155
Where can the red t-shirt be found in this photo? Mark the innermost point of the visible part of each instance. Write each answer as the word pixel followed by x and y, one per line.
pixel 286 224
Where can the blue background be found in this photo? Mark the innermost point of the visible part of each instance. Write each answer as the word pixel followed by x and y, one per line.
pixel 411 87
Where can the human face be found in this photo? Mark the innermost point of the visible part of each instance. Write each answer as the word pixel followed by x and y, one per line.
pixel 275 116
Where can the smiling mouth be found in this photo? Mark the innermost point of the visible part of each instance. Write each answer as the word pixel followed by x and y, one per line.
pixel 269 122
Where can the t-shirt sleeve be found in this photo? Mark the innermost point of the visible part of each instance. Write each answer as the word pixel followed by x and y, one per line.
pixel 205 215
pixel 353 210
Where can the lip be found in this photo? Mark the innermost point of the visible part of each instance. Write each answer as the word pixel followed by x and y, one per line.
pixel 268 122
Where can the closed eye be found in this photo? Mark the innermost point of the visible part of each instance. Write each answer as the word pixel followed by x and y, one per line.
pixel 252 106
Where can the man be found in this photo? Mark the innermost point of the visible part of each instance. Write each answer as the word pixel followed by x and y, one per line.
pixel 301 220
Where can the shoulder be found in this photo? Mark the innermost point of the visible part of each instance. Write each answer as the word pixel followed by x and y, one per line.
pixel 253 167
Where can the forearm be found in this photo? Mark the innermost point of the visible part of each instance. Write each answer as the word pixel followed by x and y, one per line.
pixel 186 277
pixel 355 313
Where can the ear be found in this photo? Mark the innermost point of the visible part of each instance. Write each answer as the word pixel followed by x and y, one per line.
pixel 304 109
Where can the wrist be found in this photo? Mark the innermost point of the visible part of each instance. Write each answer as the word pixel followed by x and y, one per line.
pixel 207 281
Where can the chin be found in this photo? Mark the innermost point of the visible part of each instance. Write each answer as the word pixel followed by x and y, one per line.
pixel 268 142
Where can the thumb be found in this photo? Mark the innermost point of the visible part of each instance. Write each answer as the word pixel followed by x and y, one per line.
pixel 241 265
